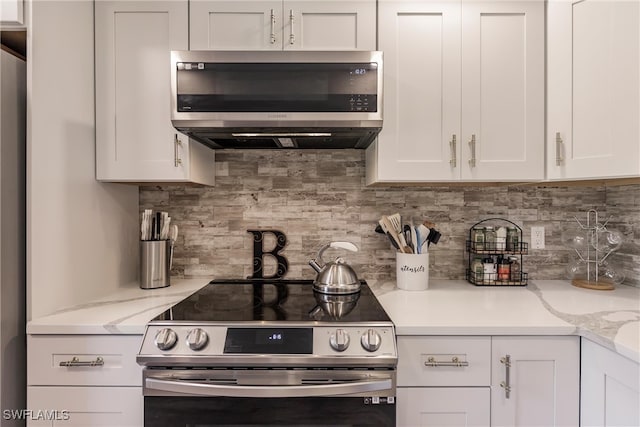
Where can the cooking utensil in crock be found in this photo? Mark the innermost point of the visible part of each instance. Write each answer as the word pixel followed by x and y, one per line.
pixel 335 277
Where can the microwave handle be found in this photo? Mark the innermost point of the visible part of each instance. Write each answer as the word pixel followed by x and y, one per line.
pixel 226 390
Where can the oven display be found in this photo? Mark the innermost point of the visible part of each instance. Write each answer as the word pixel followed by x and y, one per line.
pixel 269 341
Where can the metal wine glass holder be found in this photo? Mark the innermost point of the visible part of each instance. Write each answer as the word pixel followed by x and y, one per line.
pixel 593 257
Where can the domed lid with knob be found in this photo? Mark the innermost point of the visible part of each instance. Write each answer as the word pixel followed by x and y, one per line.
pixel 335 277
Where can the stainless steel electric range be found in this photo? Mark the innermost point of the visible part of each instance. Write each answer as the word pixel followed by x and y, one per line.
pixel 270 352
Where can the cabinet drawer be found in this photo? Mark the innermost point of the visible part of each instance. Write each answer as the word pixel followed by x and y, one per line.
pixel 444 361
pixel 118 353
pixel 85 406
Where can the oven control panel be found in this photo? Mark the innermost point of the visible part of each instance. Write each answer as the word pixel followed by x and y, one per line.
pixel 303 341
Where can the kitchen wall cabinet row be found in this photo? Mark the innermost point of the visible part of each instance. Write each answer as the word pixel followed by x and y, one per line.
pixel 465 95
pixel 482 381
pixel 464 83
pixel 135 141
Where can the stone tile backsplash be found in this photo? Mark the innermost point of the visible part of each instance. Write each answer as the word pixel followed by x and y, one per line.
pixel 315 197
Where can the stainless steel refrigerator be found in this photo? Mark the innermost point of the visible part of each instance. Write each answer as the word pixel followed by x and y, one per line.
pixel 13 238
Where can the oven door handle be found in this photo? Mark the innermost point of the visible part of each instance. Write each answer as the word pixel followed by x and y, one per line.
pixel 226 390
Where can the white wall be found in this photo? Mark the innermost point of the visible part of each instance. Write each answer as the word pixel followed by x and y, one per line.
pixel 12 230
pixel 81 234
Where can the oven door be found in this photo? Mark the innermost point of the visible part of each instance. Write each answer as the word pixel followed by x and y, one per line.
pixel 269 397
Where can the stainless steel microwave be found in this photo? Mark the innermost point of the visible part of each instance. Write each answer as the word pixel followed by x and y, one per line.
pixel 281 99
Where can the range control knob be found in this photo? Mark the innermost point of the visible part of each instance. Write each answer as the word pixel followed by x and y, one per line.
pixel 197 339
pixel 339 340
pixel 370 340
pixel 165 339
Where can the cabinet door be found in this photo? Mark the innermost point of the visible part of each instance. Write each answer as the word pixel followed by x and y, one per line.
pixel 329 25
pixel 86 406
pixel 442 406
pixel 12 13
pixel 503 90
pixel 609 389
pixel 135 140
pixel 593 89
pixel 543 374
pixel 421 44
pixel 237 25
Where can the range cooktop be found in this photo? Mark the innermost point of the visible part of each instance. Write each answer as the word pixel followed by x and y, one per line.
pixel 270 323
pixel 274 300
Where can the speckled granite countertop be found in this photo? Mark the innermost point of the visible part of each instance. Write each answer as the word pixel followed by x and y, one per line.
pixel 448 307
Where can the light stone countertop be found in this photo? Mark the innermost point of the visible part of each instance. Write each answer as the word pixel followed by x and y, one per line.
pixel 544 307
pixel 448 307
pixel 125 312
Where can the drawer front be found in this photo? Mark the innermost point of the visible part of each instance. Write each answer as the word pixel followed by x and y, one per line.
pixel 85 406
pixel 113 357
pixel 444 361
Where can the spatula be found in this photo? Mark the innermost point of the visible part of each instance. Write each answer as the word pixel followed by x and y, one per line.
pixel 396 223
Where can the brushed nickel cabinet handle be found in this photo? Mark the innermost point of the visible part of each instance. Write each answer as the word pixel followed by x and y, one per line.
pixel 559 150
pixel 76 362
pixel 472 145
pixel 177 161
pixel 273 24
pixel 455 361
pixel 506 384
pixel 452 145
pixel 292 37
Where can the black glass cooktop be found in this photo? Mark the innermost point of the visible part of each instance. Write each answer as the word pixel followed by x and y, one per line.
pixel 274 300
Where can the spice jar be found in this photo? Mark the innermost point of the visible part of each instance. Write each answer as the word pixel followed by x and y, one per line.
pixel 504 270
pixel 515 269
pixel 477 270
pixel 513 239
pixel 501 238
pixel 477 237
pixel 489 271
pixel 489 238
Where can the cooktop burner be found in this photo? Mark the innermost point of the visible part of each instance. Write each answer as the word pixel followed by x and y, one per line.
pixel 274 300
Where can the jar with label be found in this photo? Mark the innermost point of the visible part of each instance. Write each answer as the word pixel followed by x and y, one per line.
pixel 515 269
pixel 489 271
pixel 477 238
pixel 504 270
pixel 477 270
pixel 513 239
pixel 501 238
pixel 489 238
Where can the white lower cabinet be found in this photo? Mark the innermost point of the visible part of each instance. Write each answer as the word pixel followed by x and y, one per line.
pixel 609 389
pixel 535 381
pixel 84 380
pixel 463 381
pixel 85 406
pixel 443 406
pixel 443 381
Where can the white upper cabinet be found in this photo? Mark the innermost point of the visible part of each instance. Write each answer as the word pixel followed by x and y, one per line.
pixel 593 95
pixel 12 13
pixel 463 92
pixel 135 141
pixel 278 25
